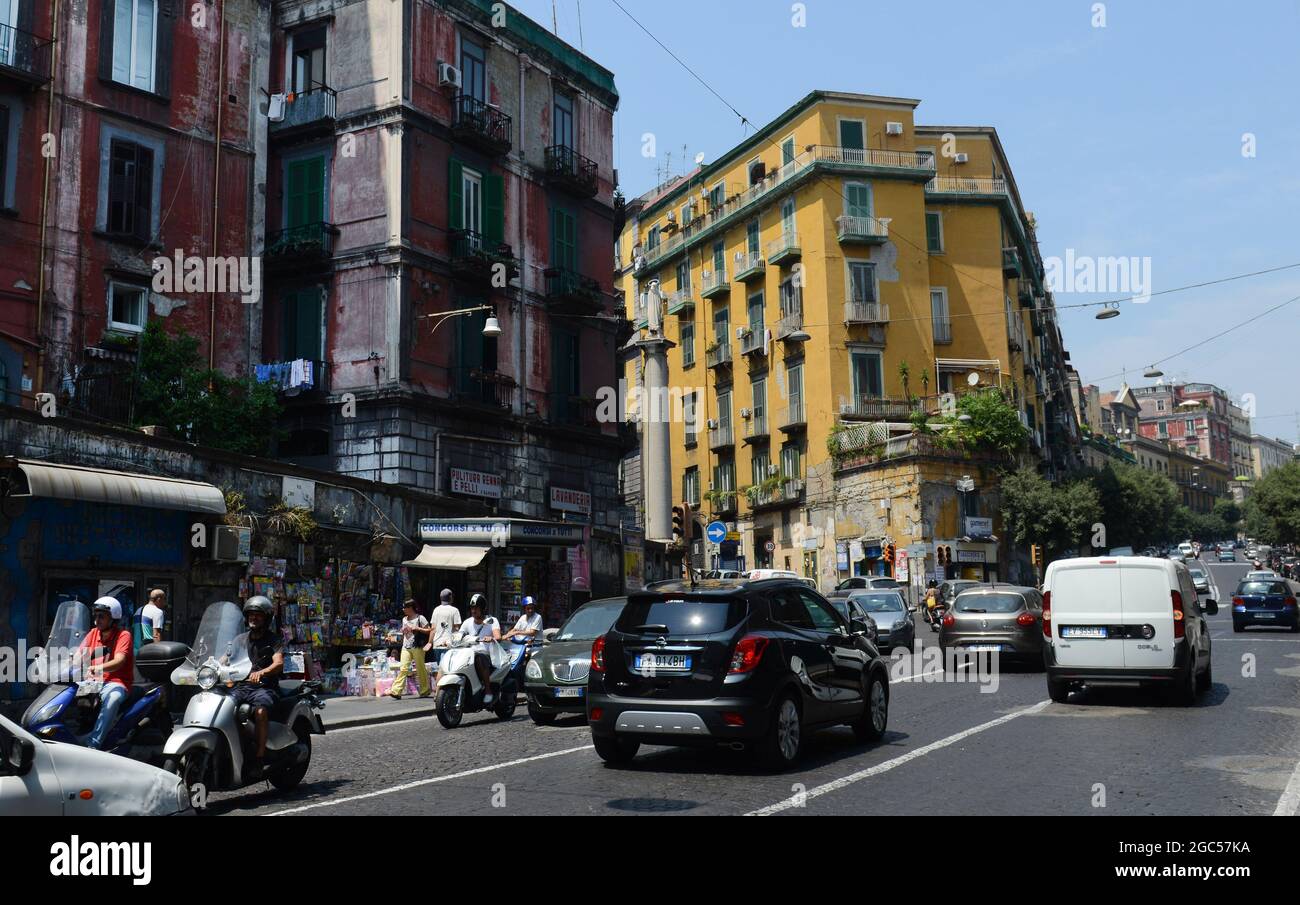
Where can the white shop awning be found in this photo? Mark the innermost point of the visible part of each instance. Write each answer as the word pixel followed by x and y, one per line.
pixel 446 556
pixel 97 485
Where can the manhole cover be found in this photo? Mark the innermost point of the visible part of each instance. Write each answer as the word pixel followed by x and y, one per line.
pixel 651 805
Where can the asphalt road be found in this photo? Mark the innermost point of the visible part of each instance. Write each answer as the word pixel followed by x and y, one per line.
pixel 951 748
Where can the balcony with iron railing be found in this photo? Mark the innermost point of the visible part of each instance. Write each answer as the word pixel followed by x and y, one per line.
pixel 475 258
pixel 785 493
pixel 567 410
pixel 793 417
pixel 967 187
pixel 721 437
pixel 862 230
pixel 1024 291
pixel 753 340
pixel 481 125
pixel 790 322
pixel 305 243
pixel 718 355
pixel 866 407
pixel 480 387
pixel 681 300
pixel 900 164
pixel 1011 262
pixel 723 502
pixel 942 331
pixel 310 110
pixel 570 292
pixel 865 313
pixel 569 170
pixel 756 428
pixel 24 57
pixel 784 248
pixel 749 266
pixel 715 283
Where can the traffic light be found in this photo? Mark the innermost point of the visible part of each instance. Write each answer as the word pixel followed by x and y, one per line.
pixel 889 552
pixel 688 524
pixel 941 555
pixel 679 525
pixel 1036 554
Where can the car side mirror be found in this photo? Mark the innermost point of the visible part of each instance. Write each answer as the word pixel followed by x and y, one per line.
pixel 19 755
pixel 858 627
pixel 911 608
pixel 1211 607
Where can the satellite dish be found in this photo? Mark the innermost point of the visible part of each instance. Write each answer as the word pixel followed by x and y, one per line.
pixel 973 378
pixel 699 158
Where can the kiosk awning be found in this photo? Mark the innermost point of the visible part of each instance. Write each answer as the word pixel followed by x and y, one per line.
pixel 96 485
pixel 443 556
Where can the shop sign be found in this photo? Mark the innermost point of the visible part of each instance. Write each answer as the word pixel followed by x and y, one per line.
pixel 842 556
pixel 298 492
pixel 500 533
pixel 475 483
pixel 855 551
pixel 570 500
pixel 970 556
pixel 978 526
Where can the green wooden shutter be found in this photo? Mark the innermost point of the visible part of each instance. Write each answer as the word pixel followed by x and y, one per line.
pixel 456 195
pixel 494 208
pixel 564 239
pixel 309 326
pixel 306 191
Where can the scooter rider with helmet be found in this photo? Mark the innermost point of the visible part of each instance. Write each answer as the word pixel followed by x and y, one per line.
pixel 484 630
pixel 266 654
pixel 112 661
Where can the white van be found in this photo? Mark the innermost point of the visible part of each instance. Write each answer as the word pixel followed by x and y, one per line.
pixel 40 778
pixel 1187 550
pixel 1132 620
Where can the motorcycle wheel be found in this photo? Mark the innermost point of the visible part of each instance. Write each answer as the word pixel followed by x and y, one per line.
pixel 288 778
pixel 448 706
pixel 190 768
pixel 505 706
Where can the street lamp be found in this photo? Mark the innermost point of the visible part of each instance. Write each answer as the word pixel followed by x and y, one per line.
pixel 490 329
pixel 1153 371
pixel 1107 313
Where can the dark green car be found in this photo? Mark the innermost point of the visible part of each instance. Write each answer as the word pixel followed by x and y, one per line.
pixel 556 678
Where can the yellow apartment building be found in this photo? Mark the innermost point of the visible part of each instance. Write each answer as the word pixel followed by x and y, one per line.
pixel 843 266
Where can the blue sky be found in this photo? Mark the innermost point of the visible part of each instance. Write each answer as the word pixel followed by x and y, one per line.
pixel 1124 140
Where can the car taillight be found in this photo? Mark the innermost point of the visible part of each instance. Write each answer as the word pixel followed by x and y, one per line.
pixel 749 650
pixel 1047 614
pixel 1025 619
pixel 1290 601
pixel 1180 627
pixel 598 655
pixel 1239 601
pixel 949 620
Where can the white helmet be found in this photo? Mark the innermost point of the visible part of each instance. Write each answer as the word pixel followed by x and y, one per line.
pixel 108 603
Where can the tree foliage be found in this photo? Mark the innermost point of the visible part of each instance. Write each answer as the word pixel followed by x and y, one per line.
pixel 1137 505
pixel 1273 507
pixel 994 423
pixel 1058 516
pixel 175 389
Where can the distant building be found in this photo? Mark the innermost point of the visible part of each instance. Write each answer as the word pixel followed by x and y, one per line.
pixel 1268 454
pixel 1194 417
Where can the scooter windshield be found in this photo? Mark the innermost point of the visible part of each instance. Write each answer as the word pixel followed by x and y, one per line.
pixel 220 650
pixel 57 661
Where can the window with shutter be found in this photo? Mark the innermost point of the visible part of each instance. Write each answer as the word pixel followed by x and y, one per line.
pixel 303 331
pixel 306 192
pixel 130 190
pixel 136 43
pixel 564 239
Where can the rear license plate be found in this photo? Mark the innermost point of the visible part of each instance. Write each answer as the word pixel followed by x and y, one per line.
pixel 569 692
pixel 982 648
pixel 1265 615
pixel 1083 631
pixel 649 662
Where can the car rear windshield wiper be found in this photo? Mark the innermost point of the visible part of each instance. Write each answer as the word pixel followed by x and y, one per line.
pixel 653 627
pixel 970 609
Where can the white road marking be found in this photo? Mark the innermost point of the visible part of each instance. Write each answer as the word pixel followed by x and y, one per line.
pixel 426 782
pixel 1289 803
pixel 934 672
pixel 835 785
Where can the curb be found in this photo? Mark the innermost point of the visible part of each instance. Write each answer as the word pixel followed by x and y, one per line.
pixel 372 719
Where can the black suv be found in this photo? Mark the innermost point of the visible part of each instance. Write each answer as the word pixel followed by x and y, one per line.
pixel 744 664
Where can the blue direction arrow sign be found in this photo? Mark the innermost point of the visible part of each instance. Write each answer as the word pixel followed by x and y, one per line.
pixel 716 532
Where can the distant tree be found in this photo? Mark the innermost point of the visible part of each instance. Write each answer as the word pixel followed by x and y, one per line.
pixel 1137 505
pixel 1057 516
pixel 1276 499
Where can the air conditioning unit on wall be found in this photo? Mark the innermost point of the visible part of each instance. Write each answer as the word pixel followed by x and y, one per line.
pixel 893 128
pixel 448 76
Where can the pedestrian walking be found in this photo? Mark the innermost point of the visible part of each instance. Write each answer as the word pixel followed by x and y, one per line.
pixel 415 632
pixel 446 622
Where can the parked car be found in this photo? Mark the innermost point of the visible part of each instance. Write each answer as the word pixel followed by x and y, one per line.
pixel 1128 620
pixel 867 582
pixel 555 679
pixel 41 778
pixel 1264 602
pixel 887 610
pixel 1002 618
pixel 756 664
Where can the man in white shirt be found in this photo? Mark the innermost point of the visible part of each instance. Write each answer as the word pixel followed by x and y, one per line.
pixel 446 622
pixel 484 630
pixel 149 621
pixel 529 627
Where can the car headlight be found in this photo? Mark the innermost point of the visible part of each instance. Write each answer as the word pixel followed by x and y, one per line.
pixel 207 678
pixel 533 670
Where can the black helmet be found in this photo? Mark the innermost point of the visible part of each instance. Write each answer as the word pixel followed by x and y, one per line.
pixel 259 604
pixel 478 600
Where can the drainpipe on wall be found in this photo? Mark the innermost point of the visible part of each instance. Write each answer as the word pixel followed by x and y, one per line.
pixel 45 204
pixel 521 328
pixel 216 179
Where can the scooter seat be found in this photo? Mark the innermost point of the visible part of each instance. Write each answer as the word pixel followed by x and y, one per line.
pixel 138 691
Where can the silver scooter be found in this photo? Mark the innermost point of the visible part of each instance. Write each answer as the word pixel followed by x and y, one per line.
pixel 214 747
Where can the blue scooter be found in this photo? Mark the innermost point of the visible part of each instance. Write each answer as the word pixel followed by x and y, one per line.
pixel 66 710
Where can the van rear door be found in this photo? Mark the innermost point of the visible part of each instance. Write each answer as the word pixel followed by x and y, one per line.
pixel 1148 601
pixel 1087 605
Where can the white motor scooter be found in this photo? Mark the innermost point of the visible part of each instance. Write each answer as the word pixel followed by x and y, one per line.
pixel 215 745
pixel 460 691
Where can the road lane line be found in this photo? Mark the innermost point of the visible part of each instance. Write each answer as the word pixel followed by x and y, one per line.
pixel 426 782
pixel 1289 803
pixel 835 785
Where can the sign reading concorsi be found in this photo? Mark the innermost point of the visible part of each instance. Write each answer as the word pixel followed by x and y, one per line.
pixel 475 483
pixel 500 531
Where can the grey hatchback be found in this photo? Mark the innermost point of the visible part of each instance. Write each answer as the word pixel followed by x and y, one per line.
pixel 556 678
pixel 1007 619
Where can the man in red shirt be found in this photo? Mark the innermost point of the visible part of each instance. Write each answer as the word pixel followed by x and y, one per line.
pixel 112 661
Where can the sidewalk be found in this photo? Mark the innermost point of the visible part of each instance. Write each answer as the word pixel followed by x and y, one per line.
pixel 345 710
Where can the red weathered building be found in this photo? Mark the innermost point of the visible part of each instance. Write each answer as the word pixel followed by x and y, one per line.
pixel 113 110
